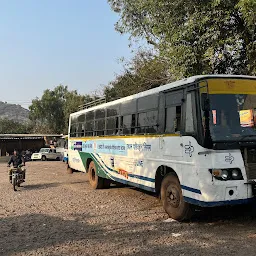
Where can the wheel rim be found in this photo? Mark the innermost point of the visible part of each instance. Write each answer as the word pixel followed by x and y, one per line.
pixel 173 196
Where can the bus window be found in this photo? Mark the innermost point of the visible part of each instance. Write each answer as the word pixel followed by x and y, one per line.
pixel 189 126
pixel 81 118
pixel 99 127
pixel 127 124
pixel 117 125
pixel 147 122
pixel 178 119
pixel 80 130
pixel 89 116
pixel 89 125
pixel 128 107
pixel 73 130
pixel 111 126
pixel 99 113
pixel 148 102
pixel 133 124
pixel 170 118
pixel 113 111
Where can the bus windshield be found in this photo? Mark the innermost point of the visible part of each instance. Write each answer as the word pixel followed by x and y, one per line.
pixel 232 117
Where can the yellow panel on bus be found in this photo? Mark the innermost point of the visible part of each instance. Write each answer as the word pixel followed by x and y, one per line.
pixel 229 86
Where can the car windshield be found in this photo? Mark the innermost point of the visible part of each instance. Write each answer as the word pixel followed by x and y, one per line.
pixel 232 117
pixel 44 150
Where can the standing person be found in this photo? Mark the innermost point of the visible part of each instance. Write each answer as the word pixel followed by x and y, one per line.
pixel 16 160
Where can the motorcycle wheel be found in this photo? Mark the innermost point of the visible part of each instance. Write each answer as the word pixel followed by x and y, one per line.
pixel 14 181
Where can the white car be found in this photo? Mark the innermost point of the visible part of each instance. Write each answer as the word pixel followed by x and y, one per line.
pixel 46 154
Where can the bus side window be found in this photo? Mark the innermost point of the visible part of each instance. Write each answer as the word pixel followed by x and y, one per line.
pixel 127 124
pixel 133 124
pixel 117 126
pixel 189 123
pixel 178 119
pixel 147 122
pixel 172 119
pixel 111 126
pixel 89 123
pixel 73 130
pixel 121 131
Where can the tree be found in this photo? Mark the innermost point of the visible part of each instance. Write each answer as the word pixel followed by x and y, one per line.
pixel 145 71
pixel 12 127
pixel 195 37
pixel 49 109
pixel 50 114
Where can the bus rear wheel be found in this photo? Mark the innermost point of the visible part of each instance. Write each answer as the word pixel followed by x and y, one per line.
pixel 96 181
pixel 172 198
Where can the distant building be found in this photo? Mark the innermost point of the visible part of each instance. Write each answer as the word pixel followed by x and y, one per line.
pixel 23 142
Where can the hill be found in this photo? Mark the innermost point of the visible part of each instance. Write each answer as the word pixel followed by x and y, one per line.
pixel 13 112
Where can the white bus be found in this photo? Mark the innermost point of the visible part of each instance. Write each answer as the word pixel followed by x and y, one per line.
pixel 193 142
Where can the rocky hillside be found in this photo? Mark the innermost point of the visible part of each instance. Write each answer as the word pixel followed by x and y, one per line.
pixel 13 112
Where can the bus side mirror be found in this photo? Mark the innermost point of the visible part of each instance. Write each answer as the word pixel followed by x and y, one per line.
pixel 205 103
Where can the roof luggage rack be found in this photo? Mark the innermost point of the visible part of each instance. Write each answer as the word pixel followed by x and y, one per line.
pixel 92 103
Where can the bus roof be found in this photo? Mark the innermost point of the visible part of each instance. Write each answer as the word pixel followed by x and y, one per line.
pixel 165 87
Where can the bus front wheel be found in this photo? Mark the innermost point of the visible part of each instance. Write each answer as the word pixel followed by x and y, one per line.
pixel 96 181
pixel 172 198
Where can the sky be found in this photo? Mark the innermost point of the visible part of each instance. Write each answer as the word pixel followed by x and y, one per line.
pixel 44 43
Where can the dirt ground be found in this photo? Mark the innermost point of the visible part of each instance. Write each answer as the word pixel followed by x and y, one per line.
pixel 55 213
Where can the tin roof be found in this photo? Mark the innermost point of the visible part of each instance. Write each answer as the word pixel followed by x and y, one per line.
pixel 28 136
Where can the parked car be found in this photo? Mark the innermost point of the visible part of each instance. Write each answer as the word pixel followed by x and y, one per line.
pixel 46 154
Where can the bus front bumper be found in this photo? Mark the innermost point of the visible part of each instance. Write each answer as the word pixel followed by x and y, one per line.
pixel 228 193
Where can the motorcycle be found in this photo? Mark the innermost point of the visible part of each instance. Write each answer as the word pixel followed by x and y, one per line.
pixel 16 176
pixel 27 157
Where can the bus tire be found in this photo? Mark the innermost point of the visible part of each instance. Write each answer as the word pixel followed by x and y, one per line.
pixel 172 198
pixel 95 181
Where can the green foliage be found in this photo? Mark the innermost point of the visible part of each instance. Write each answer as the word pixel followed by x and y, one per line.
pixel 12 127
pixel 143 72
pixel 196 37
pixel 50 114
pixel 188 38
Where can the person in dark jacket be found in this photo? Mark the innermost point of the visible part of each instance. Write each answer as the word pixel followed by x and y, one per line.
pixel 16 160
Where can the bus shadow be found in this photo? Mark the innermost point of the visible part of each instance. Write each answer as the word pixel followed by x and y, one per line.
pixel 238 212
pixel 209 214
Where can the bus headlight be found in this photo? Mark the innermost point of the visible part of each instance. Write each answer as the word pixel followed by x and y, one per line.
pixel 236 174
pixel 227 174
pixel 224 175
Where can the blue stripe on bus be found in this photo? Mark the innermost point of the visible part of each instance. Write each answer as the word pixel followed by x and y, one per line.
pixel 133 184
pixel 218 203
pixel 197 191
pixel 141 177
pixel 130 175
pixel 194 190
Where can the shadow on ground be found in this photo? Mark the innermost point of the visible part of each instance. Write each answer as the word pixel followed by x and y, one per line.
pixel 39 186
pixel 33 232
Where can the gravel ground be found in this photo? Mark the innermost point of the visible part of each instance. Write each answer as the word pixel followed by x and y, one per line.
pixel 55 213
